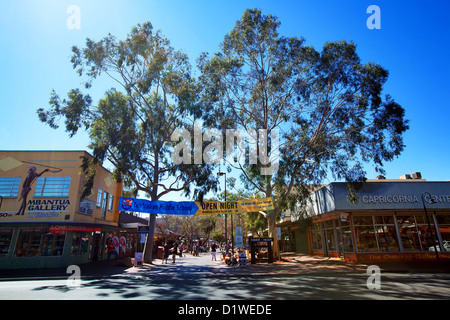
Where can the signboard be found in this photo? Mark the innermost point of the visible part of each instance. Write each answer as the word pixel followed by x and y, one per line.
pixel 260 239
pixel 116 243
pixel 143 229
pixel 61 228
pixel 123 243
pixel 217 207
pixel 254 205
pixel 86 207
pixel 138 256
pixel 194 208
pixel 161 207
pixel 238 242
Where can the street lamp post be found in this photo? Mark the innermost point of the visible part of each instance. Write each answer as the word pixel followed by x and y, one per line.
pixel 428 221
pixel 225 174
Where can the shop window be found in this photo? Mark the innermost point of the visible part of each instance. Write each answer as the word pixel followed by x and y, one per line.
pixel 444 228
pixel 9 187
pixel 33 242
pixel 52 187
pixel 347 236
pixel 316 239
pixel 80 244
pixel 366 240
pixel 376 234
pixel 5 241
pixel 426 236
pixel 386 234
pixel 410 233
pixel 329 231
pixel 52 245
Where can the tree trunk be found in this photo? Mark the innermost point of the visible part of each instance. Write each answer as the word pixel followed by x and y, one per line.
pixel 148 248
pixel 271 223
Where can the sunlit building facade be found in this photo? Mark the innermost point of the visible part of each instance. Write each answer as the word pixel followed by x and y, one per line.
pixel 44 222
pixel 393 220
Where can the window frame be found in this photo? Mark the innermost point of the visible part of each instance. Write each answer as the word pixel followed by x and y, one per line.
pixel 15 183
pixel 45 186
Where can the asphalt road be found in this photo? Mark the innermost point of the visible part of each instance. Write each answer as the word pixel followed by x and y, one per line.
pixel 199 278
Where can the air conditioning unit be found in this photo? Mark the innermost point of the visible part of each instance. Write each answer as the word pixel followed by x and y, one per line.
pixel 417 175
pixel 405 177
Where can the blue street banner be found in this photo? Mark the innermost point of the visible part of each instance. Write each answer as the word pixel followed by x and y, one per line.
pixel 161 207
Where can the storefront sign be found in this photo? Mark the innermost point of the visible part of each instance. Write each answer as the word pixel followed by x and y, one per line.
pixel 404 199
pixel 48 205
pixel 61 228
pixel 260 239
pixel 397 257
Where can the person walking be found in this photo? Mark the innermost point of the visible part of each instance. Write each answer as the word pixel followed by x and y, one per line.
pixel 111 250
pixel 213 251
pixel 174 251
pixel 166 252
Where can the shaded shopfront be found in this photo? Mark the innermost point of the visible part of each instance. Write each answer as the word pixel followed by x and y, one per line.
pixel 389 223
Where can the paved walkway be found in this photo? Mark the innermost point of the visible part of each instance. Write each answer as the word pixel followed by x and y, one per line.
pixel 202 266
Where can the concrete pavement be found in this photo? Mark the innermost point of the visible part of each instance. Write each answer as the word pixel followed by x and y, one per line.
pixel 202 266
pixel 298 277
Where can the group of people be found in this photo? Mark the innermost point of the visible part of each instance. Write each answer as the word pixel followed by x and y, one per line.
pixel 175 250
pixel 236 257
pixel 230 257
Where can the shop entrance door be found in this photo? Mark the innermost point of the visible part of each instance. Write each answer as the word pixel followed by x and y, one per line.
pixel 96 247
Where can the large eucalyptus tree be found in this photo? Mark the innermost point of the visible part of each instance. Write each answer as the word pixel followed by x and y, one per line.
pixel 132 126
pixel 328 107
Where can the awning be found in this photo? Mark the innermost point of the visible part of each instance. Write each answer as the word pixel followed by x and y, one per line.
pixel 132 225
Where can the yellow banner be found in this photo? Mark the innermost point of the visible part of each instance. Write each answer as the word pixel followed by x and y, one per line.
pixel 232 207
pixel 251 205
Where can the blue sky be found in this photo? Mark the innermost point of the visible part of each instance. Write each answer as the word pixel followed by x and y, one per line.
pixel 413 44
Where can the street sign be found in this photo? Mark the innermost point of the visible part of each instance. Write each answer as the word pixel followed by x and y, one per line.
pixel 238 242
pixel 143 229
pixel 161 207
pixel 260 239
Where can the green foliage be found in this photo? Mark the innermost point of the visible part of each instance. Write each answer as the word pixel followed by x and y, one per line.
pixel 328 107
pixel 132 128
pixel 327 104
